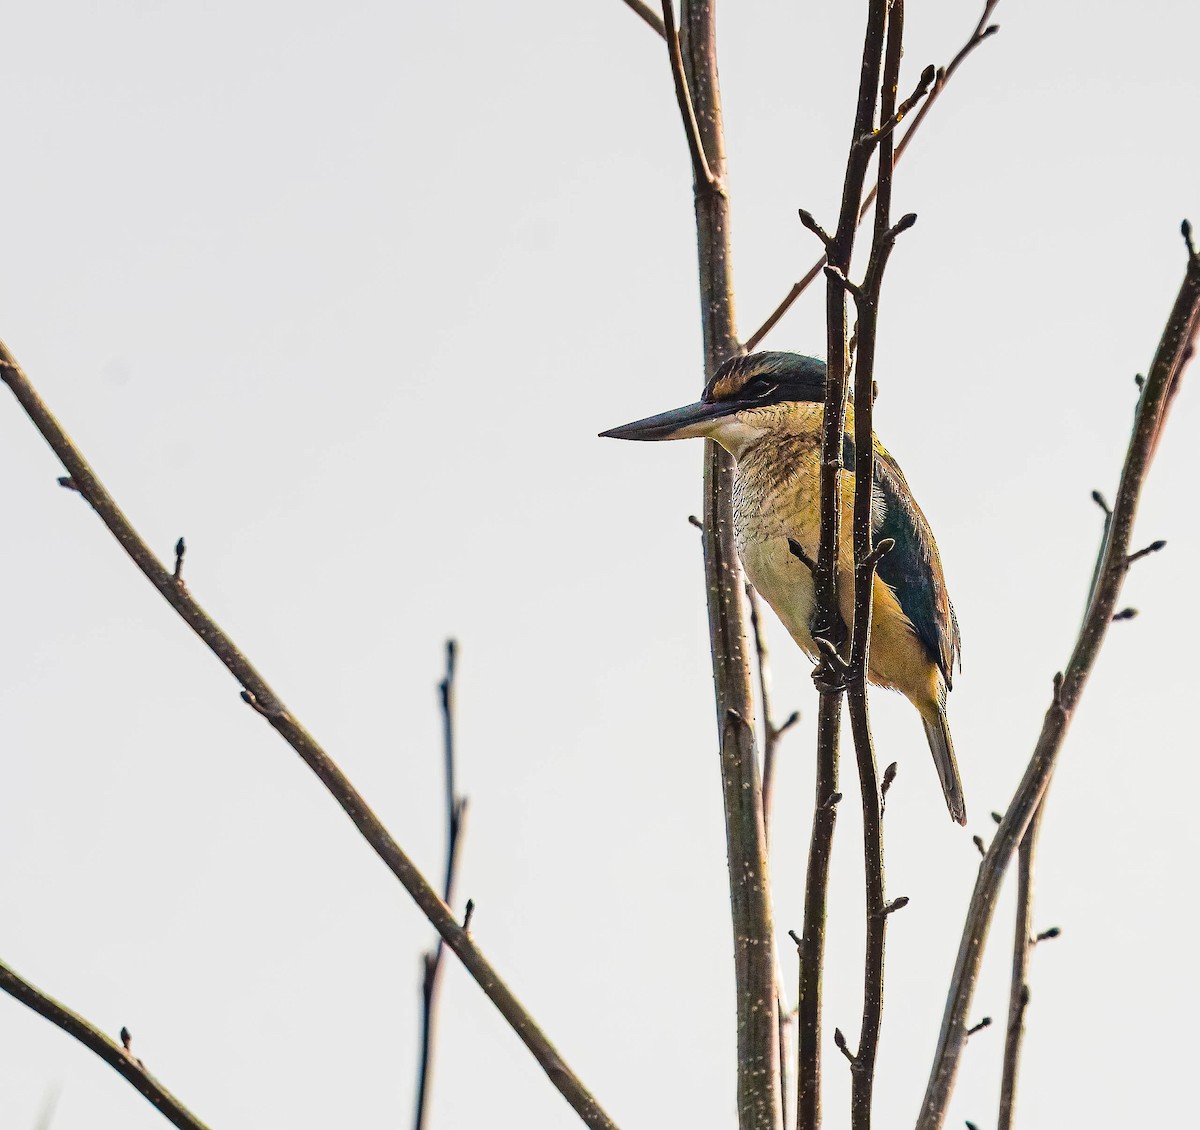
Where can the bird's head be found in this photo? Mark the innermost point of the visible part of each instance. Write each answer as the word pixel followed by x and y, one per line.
pixel 748 397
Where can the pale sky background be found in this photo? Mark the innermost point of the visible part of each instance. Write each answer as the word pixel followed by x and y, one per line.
pixel 343 294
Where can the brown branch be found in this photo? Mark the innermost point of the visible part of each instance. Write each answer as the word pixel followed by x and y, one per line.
pixel 1171 357
pixel 646 13
pixel 828 624
pixel 117 1056
pixel 745 828
pixel 1018 992
pixel 1023 939
pixel 456 811
pixel 866 557
pixel 701 169
pixel 785 1015
pixel 983 30
pixel 816 893
pixel 771 732
pixel 263 698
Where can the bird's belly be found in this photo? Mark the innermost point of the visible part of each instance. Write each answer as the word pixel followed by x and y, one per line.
pixel 784 582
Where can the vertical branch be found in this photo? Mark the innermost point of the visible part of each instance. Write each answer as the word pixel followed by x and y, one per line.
pixel 1175 349
pixel 828 624
pixel 1018 992
pixel 456 810
pixel 745 827
pixel 866 557
pixel 771 732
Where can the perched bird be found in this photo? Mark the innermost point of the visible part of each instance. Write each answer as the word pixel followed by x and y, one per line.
pixel 766 410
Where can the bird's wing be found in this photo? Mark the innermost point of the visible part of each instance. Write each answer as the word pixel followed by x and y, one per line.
pixel 913 569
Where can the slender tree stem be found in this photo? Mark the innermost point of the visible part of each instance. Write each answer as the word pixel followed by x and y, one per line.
pixel 772 734
pixel 456 811
pixel 1018 992
pixel 828 623
pixel 865 560
pixel 816 892
pixel 262 698
pixel 1174 351
pixel 646 13
pixel 118 1057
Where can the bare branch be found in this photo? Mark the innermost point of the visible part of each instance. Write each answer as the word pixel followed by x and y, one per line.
pixel 1171 357
pixel 1018 992
pixel 828 627
pixel 701 169
pixel 456 811
pixel 983 30
pixel 259 694
pixel 118 1056
pixel 745 828
pixel 771 732
pixel 646 13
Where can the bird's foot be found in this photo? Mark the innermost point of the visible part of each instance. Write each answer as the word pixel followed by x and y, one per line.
pixel 831 674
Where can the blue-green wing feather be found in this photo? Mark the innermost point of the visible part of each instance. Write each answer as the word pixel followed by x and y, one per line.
pixel 913 569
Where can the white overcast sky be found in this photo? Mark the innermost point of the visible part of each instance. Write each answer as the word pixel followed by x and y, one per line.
pixel 343 294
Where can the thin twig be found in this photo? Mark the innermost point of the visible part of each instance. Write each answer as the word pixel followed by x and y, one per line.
pixel 117 1056
pixel 648 14
pixel 687 111
pixel 265 701
pixel 1174 350
pixel 785 1015
pixel 456 811
pixel 771 732
pixel 983 30
pixel 1018 992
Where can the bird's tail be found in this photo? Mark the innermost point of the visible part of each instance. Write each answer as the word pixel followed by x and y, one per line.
pixel 937 731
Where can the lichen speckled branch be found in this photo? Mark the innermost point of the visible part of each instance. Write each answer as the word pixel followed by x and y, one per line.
pixel 259 695
pixel 118 1057
pixel 758 1086
pixel 1175 350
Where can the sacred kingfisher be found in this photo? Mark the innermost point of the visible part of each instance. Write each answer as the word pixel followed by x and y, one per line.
pixel 766 410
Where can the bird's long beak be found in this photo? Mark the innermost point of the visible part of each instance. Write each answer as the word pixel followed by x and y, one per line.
pixel 680 423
